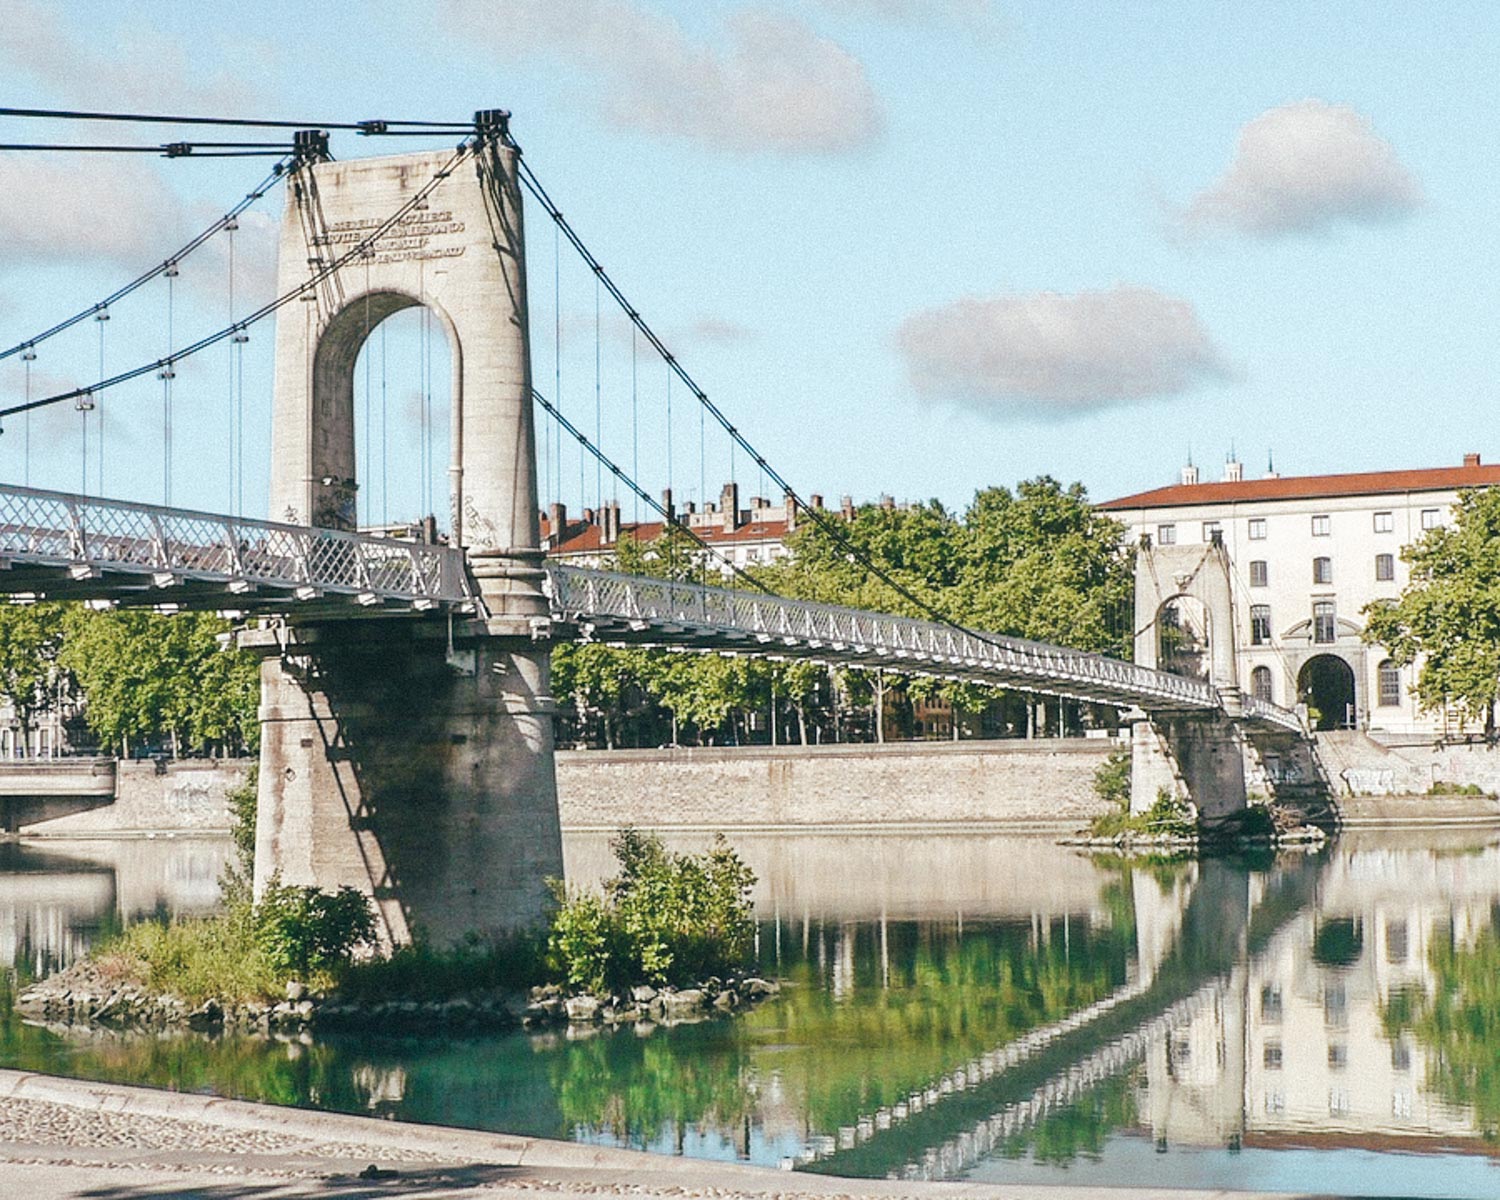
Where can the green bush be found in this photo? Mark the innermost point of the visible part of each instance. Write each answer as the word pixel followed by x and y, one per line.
pixel 1167 815
pixel 248 952
pixel 1112 780
pixel 302 930
pixel 665 918
pixel 1443 788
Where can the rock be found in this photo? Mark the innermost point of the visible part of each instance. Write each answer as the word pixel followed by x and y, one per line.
pixel 726 1000
pixel 689 1000
pixel 756 988
pixel 295 989
pixel 643 993
pixel 582 1010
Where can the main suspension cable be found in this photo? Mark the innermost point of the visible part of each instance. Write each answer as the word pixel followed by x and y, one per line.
pixel 224 222
pixel 376 128
pixel 670 518
pixel 269 308
pixel 822 520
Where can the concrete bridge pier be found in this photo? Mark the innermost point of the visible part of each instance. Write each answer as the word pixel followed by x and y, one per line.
pixel 418 773
pixel 412 758
pixel 1198 757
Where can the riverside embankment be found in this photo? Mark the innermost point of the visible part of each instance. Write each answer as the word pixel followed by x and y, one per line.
pixel 1041 786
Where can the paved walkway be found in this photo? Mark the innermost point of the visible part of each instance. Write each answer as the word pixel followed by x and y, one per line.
pixel 62 1138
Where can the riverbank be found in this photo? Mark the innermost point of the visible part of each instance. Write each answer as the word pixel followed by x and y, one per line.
pixel 67 1138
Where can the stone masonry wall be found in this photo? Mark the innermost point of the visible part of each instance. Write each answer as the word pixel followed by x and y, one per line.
pixel 1039 783
pixel 190 796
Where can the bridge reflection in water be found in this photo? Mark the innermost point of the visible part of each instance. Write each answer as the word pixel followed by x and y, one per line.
pixel 958 1007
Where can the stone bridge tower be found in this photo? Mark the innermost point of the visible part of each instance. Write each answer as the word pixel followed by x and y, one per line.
pixel 412 757
pixel 1184 622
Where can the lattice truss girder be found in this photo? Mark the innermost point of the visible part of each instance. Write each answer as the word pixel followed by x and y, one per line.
pixel 613 607
pixel 63 546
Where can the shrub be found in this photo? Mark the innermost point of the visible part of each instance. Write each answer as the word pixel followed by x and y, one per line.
pixel 665 918
pixel 1112 780
pixel 302 930
pixel 247 952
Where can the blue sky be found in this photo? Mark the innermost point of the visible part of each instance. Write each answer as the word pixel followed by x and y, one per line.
pixel 912 246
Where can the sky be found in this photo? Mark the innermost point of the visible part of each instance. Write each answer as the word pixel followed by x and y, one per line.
pixel 914 247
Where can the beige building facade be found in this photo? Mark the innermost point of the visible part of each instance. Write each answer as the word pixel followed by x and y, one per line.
pixel 1307 555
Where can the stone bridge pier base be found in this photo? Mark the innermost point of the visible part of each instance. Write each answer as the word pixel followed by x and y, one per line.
pixel 1200 758
pixel 414 765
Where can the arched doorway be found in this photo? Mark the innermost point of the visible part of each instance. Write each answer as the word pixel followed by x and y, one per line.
pixel 1182 637
pixel 1326 685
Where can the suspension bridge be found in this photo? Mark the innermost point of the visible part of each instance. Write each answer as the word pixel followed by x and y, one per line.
pixel 406 715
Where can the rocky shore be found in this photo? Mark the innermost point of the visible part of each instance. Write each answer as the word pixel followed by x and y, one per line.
pixel 83 995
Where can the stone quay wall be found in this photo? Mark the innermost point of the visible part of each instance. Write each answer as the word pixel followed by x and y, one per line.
pixel 186 796
pixel 1040 784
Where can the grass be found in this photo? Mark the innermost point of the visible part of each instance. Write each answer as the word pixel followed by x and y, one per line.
pixel 198 959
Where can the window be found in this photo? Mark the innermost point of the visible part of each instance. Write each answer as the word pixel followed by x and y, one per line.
pixel 1385 568
pixel 1338 1056
pixel 1166 535
pixel 1385 522
pixel 1211 530
pixel 1400 1055
pixel 1271 1056
pixel 1321 525
pixel 1257 529
pixel 1270 1004
pixel 1322 570
pixel 1260 685
pixel 1432 518
pixel 1390 684
pixel 1397 943
pixel 1323 630
pixel 1258 573
pixel 1260 624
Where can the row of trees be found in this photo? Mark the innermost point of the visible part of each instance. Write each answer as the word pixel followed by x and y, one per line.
pixel 145 680
pixel 1037 562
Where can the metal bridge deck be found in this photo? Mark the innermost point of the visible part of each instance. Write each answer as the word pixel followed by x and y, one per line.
pixel 60 546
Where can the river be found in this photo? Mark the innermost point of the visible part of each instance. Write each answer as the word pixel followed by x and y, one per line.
pixel 980 1007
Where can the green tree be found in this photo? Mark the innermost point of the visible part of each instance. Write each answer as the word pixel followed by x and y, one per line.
pixel 148 676
pixel 30 639
pixel 1448 616
pixel 1042 563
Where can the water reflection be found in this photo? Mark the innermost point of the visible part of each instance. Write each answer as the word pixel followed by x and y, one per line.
pixel 957 1007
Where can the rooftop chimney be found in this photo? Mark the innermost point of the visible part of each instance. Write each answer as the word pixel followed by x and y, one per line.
pixel 1189 475
pixel 1471 460
pixel 557 524
pixel 611 523
pixel 666 503
pixel 888 503
pixel 729 503
pixel 816 500
pixel 789 510
pixel 846 507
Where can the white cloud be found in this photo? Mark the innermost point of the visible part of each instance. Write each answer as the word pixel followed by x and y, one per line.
pixel 774 85
pixel 976 15
pixel 1305 168
pixel 133 63
pixel 56 212
pixel 1046 355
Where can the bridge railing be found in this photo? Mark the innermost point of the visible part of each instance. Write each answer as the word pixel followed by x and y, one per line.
pixel 920 646
pixel 58 529
pixel 1271 714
